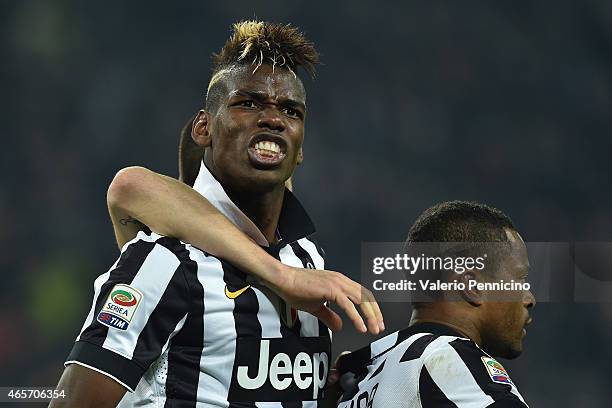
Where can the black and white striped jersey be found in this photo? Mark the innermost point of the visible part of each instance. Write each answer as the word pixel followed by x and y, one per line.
pixel 425 366
pixel 179 327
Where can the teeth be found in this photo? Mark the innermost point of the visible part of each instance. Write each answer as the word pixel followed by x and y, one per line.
pixel 269 146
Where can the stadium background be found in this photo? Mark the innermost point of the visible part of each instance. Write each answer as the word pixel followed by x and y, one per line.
pixel 505 103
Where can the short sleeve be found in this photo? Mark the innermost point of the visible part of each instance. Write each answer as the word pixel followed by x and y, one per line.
pixel 138 305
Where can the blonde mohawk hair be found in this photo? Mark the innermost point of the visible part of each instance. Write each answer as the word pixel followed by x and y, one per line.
pixel 259 42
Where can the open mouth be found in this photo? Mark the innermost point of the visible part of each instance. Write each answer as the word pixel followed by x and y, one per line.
pixel 267 150
pixel 527 323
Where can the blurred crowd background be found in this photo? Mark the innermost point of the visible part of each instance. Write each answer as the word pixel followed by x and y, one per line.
pixel 505 102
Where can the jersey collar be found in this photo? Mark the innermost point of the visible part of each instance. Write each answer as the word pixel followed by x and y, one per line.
pixel 294 223
pixel 358 360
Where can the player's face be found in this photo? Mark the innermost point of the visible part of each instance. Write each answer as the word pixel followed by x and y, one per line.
pixel 505 321
pixel 257 132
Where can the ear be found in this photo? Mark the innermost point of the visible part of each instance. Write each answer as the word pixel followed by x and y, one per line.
pixel 200 130
pixel 472 295
pixel 300 156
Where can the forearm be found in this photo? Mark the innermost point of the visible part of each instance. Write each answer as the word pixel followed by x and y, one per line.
pixel 172 208
pixel 124 225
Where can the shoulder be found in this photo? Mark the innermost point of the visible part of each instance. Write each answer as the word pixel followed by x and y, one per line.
pixel 165 247
pixel 456 366
pixel 459 355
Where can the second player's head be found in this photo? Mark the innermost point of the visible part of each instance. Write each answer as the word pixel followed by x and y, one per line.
pixel 253 123
pixel 499 317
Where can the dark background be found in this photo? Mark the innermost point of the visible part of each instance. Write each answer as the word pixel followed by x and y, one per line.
pixel 504 102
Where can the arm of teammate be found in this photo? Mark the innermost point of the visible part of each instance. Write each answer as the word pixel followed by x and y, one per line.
pixel 172 208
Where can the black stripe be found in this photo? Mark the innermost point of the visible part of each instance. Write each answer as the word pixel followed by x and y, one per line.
pixel 416 349
pixel 297 326
pixel 246 323
pixel 184 294
pixel 323 330
pixel 304 256
pixel 170 309
pixel 125 370
pixel 471 356
pixel 287 332
pixel 430 394
pixel 126 269
pixel 294 331
pixel 319 248
pixel 291 404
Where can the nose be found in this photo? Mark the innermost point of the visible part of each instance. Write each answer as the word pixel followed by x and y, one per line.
pixel 529 300
pixel 271 118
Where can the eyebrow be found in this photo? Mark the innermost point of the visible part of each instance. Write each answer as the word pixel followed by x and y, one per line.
pixel 261 96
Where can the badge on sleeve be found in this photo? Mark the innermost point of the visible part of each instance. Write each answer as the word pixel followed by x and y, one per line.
pixel 496 371
pixel 120 307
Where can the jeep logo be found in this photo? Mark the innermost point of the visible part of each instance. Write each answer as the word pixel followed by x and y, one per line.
pixel 282 372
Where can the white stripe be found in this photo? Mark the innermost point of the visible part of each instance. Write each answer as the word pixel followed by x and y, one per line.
pixel 452 376
pixel 310 324
pixel 288 257
pixel 270 322
pixel 151 280
pixel 383 344
pixel 219 348
pixel 267 314
pixel 311 248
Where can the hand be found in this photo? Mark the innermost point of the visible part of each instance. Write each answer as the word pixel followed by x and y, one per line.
pixel 309 289
pixel 334 388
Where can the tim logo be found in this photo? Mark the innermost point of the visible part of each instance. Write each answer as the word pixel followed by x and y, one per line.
pixel 112 321
pixel 285 369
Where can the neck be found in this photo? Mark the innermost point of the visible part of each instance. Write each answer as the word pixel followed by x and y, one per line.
pixel 262 208
pixel 450 314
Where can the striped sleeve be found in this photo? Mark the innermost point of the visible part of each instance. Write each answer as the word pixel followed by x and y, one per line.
pixel 458 374
pixel 138 306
